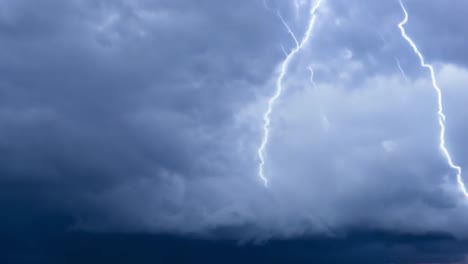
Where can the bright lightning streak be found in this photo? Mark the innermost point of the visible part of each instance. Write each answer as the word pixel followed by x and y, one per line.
pixel 279 90
pixel 288 29
pixel 440 111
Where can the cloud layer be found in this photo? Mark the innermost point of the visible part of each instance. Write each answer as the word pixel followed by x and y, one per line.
pixel 146 116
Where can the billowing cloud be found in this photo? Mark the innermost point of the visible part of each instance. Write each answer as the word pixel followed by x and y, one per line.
pixel 146 116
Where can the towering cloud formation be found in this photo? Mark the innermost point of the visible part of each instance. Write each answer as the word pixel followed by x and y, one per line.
pixel 146 116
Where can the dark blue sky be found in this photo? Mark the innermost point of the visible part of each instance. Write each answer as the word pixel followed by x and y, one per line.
pixel 137 122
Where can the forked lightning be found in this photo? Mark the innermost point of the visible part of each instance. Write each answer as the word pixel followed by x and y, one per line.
pixel 440 111
pixel 279 89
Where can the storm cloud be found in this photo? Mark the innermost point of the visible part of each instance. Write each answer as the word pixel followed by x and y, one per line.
pixel 145 116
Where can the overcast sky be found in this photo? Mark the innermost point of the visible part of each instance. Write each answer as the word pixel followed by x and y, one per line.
pixel 146 116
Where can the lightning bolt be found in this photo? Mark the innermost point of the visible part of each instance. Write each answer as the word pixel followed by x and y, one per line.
pixel 325 121
pixel 288 29
pixel 440 112
pixel 401 69
pixel 311 79
pixel 279 90
pixel 284 51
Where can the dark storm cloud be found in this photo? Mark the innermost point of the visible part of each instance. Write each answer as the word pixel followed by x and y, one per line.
pixel 368 248
pixel 145 115
pixel 96 94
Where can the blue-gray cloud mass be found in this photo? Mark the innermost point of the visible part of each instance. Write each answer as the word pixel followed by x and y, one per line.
pixel 142 116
